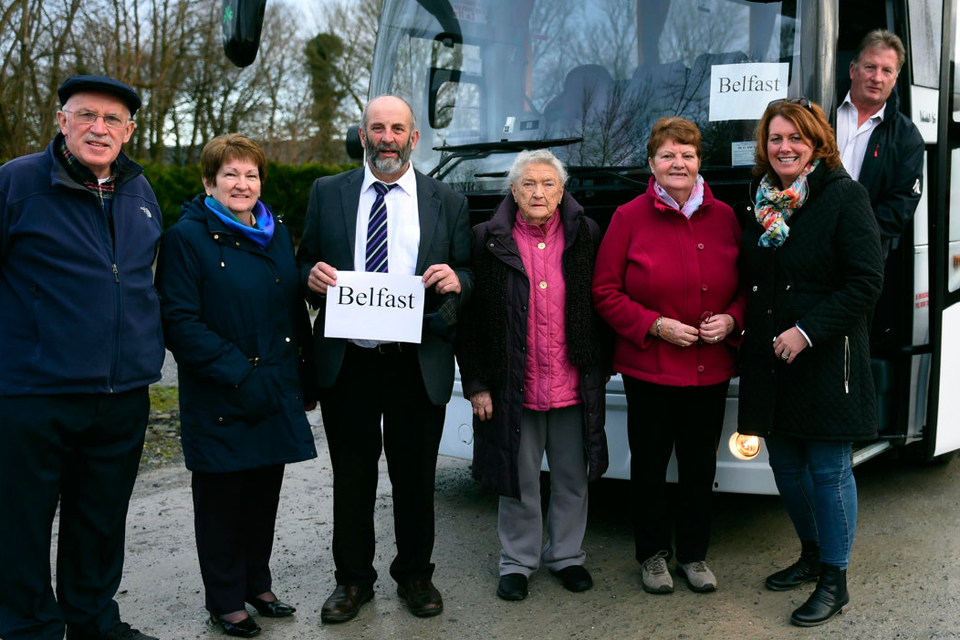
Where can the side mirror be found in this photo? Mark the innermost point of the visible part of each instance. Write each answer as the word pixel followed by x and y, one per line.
pixel 354 146
pixel 242 25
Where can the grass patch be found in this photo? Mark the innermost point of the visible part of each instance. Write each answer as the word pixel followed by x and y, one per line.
pixel 164 399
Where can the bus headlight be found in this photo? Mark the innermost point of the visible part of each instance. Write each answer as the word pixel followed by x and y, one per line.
pixel 744 447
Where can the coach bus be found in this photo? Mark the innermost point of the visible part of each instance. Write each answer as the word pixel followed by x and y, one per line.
pixel 587 79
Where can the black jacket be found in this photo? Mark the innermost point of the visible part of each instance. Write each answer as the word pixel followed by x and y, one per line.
pixel 330 236
pixel 892 170
pixel 235 319
pixel 493 339
pixel 827 276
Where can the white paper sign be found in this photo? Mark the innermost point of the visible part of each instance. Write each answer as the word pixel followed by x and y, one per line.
pixel 742 91
pixel 375 306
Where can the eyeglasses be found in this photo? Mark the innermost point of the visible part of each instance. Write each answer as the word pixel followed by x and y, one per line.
pixel 803 102
pixel 89 117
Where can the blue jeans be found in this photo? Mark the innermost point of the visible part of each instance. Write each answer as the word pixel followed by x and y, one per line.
pixel 815 479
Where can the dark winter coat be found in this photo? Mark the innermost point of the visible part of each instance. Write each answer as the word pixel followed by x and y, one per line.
pixel 892 170
pixel 78 311
pixel 493 341
pixel 826 276
pixel 235 320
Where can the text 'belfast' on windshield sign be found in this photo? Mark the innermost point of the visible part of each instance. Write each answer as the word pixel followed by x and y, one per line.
pixel 375 306
pixel 742 91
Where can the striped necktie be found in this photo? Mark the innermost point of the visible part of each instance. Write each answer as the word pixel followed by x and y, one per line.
pixel 377 230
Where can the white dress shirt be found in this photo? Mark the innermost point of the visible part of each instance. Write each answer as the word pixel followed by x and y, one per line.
pixel 403 223
pixel 403 227
pixel 853 138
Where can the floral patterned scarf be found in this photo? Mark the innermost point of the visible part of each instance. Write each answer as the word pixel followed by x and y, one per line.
pixel 774 207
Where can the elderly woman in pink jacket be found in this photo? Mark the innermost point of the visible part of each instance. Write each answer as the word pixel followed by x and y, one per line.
pixel 666 282
pixel 533 366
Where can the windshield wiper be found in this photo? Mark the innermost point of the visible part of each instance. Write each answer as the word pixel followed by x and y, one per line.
pixel 476 150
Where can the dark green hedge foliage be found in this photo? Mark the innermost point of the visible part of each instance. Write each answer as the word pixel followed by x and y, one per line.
pixel 286 189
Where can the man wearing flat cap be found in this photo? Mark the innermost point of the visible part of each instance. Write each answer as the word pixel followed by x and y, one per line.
pixel 80 341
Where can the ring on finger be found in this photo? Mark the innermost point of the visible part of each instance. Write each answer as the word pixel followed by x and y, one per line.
pixel 784 356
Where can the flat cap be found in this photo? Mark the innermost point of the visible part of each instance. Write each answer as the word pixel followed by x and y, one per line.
pixel 99 84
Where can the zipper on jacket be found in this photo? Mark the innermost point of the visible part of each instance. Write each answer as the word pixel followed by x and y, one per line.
pixel 846 364
pixel 117 301
pixel 115 364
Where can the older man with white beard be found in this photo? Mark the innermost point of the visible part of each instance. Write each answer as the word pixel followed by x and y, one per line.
pixel 386 217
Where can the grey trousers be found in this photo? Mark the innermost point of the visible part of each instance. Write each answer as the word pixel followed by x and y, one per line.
pixel 559 433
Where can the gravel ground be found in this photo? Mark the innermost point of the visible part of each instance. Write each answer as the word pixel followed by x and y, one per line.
pixel 904 580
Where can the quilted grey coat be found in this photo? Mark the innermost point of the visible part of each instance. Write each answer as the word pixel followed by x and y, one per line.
pixel 827 276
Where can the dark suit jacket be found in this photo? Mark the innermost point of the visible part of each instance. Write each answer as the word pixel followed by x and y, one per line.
pixel 330 236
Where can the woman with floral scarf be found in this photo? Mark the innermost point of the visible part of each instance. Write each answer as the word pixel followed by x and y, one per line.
pixel 812 262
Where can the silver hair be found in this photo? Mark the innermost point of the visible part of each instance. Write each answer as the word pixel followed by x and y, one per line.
pixel 537 156
pixel 363 114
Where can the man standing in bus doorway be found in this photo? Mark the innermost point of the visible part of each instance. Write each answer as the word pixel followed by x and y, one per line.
pixel 80 343
pixel 363 382
pixel 880 147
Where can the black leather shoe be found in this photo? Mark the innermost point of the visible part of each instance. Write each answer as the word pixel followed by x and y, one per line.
pixel 274 609
pixel 574 578
pixel 513 586
pixel 345 602
pixel 120 631
pixel 246 628
pixel 804 570
pixel 827 600
pixel 422 598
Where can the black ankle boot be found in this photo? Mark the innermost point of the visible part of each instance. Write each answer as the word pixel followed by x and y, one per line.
pixel 804 570
pixel 828 599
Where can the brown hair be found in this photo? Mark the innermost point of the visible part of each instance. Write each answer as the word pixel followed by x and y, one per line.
pixel 812 124
pixel 882 39
pixel 231 146
pixel 675 128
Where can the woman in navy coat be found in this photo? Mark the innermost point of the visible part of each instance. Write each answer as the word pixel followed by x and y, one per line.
pixel 236 323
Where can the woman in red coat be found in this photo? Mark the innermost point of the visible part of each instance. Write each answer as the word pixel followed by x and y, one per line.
pixel 666 282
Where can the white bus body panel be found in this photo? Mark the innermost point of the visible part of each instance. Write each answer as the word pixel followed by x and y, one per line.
pixel 733 475
pixel 948 426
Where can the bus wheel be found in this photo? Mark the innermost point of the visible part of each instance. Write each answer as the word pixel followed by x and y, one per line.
pixel 916 454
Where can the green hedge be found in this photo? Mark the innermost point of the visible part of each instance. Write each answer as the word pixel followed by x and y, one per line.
pixel 286 190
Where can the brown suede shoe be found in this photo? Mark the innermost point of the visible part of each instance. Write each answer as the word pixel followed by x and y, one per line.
pixel 344 603
pixel 422 598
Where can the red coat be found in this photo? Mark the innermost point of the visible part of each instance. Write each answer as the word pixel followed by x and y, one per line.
pixel 654 262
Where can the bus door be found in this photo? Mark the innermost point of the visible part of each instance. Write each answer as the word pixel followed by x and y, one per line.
pixel 942 432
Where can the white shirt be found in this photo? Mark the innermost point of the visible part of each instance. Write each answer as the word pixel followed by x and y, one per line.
pixel 403 227
pixel 403 223
pixel 853 138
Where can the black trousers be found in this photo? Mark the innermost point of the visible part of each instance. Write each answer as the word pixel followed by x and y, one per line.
pixel 660 418
pixel 234 516
pixel 83 451
pixel 373 385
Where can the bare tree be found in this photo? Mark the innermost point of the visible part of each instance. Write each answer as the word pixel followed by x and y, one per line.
pixel 355 23
pixel 32 59
pixel 170 51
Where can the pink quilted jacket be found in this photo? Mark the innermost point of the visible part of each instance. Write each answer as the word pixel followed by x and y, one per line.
pixel 550 381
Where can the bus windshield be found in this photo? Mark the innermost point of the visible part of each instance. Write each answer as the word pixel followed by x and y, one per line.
pixel 599 72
